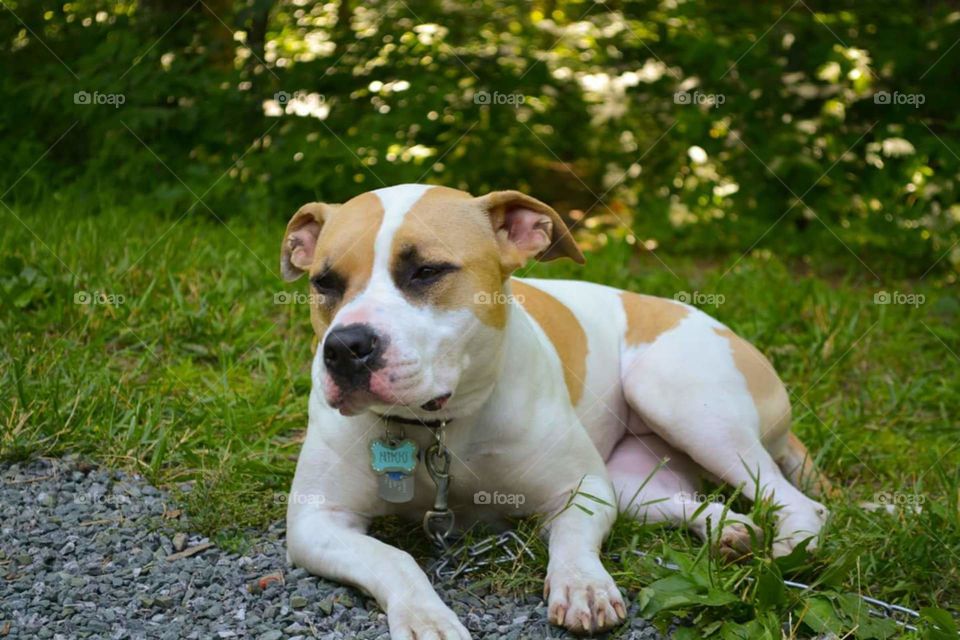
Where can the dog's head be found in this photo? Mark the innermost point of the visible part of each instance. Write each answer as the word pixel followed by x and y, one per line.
pixel 408 285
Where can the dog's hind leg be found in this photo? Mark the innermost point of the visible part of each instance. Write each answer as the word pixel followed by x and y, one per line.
pixel 712 396
pixel 799 468
pixel 656 483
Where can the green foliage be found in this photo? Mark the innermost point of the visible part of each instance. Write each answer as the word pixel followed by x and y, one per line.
pixel 805 128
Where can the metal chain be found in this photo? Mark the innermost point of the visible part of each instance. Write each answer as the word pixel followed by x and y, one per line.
pixel 880 609
pixel 462 559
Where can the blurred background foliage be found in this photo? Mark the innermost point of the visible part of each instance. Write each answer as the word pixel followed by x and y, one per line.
pixel 689 127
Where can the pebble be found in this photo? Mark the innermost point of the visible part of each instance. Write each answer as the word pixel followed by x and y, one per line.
pixel 110 577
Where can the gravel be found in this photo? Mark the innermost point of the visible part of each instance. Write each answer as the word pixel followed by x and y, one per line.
pixel 85 553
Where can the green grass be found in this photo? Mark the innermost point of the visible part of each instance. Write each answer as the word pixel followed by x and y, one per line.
pixel 197 374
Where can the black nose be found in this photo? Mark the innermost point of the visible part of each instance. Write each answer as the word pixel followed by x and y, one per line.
pixel 352 353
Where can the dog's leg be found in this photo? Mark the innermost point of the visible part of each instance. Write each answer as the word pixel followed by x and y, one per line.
pixel 333 544
pixel 656 483
pixel 580 593
pixel 713 420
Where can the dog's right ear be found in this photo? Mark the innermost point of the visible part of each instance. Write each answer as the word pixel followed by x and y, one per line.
pixel 300 239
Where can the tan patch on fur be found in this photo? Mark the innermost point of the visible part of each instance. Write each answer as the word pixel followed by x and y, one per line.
pixel 798 465
pixel 649 316
pixel 768 393
pixel 445 225
pixel 346 244
pixel 564 331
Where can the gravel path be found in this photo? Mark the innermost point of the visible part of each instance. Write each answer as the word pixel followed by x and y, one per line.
pixel 85 553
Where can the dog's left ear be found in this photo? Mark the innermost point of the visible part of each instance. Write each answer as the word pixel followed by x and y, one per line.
pixel 300 239
pixel 526 228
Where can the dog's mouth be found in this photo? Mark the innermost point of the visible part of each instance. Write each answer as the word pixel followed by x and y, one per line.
pixel 355 401
pixel 437 403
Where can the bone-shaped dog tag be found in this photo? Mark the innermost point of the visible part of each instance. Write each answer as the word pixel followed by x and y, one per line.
pixel 396 487
pixel 394 463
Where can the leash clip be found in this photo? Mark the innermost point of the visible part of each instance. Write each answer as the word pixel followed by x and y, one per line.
pixel 438 522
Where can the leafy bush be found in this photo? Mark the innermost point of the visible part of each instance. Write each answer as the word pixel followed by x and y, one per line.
pixel 808 128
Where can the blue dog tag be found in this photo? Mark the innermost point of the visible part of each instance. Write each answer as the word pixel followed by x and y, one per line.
pixel 398 456
pixel 394 464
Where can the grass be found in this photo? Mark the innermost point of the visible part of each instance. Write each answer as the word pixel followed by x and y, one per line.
pixel 187 367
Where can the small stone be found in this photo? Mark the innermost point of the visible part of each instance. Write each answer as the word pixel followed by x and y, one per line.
pixel 298 602
pixel 326 605
pixel 180 541
pixel 273 634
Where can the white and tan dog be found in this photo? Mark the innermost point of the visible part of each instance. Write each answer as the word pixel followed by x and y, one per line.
pixel 549 387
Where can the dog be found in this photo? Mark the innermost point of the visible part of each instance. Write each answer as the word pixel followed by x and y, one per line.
pixel 578 400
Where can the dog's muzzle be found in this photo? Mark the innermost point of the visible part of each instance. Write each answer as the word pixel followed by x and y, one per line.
pixel 351 354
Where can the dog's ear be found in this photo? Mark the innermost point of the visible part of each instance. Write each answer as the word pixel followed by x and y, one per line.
pixel 300 239
pixel 526 228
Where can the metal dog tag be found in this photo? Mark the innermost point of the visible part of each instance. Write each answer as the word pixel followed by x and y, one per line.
pixel 394 462
pixel 396 487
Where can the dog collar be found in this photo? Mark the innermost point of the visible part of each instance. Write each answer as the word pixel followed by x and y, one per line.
pixel 433 425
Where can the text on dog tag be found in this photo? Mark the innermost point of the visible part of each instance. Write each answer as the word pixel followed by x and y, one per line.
pixel 395 487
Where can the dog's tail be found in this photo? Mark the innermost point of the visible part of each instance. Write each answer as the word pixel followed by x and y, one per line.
pixel 800 470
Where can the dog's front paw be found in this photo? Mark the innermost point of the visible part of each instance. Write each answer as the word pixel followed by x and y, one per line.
pixel 583 597
pixel 415 620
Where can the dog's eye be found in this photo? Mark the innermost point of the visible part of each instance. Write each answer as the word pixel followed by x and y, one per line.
pixel 430 273
pixel 328 284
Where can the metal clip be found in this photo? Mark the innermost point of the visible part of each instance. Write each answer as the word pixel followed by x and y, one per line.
pixel 438 522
